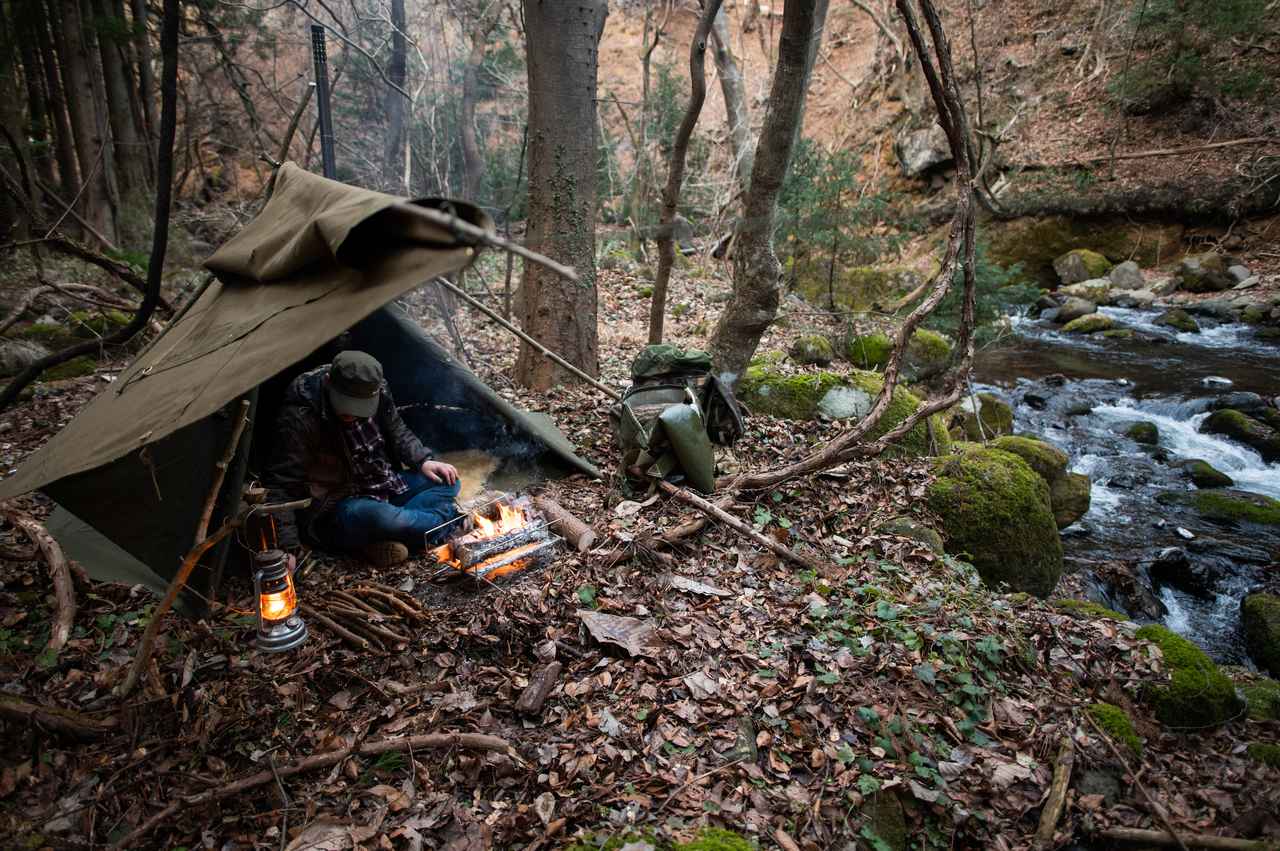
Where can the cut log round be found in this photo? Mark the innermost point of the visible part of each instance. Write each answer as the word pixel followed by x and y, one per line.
pixel 565 524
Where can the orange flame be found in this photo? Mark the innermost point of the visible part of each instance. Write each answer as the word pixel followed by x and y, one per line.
pixel 509 520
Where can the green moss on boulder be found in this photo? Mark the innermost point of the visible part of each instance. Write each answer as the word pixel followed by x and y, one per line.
pixel 1080 264
pixel 1205 475
pixel 48 334
pixel 1088 609
pixel 812 349
pixel 1264 752
pixel 1115 722
pixel 1047 460
pixel 1197 695
pixel 91 324
pixel 857 288
pixel 1236 506
pixel 868 351
pixel 1037 242
pixel 74 368
pixel 928 354
pixel 1260 617
pixel 1245 429
pixel 717 839
pixel 995 416
pixel 1091 324
pixel 1069 493
pixel 1096 290
pixel 1204 273
pixel 996 512
pixel 1262 698
pixel 1143 432
pixel 1179 320
pixel 1070 497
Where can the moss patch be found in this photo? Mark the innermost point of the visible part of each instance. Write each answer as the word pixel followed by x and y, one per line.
pixel 717 839
pixel 1088 609
pixel 928 354
pixel 1179 320
pixel 1197 695
pixel 995 511
pixel 92 324
pixel 1260 616
pixel 49 335
pixel 857 288
pixel 74 368
pixel 1081 264
pixel 1047 460
pixel 1070 497
pixel 995 416
pixel 1069 493
pixel 812 349
pixel 1245 429
pixel 905 527
pixel 1264 752
pixel 1205 475
pixel 1263 699
pixel 1144 432
pixel 1116 723
pixel 867 351
pixel 1091 324
pixel 1238 506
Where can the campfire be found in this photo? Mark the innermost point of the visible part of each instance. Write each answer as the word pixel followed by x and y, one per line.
pixel 506 536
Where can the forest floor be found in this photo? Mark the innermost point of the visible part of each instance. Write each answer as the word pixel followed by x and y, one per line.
pixel 889 695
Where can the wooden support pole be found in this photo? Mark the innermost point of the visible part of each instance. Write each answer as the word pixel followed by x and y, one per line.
pixel 547 353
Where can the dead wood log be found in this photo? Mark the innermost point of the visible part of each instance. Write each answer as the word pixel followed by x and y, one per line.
pixel 565 524
pixel 1057 794
pixel 471 741
pixel 64 591
pixel 336 628
pixel 1138 836
pixel 717 513
pixel 64 722
pixel 201 545
pixel 540 685
pixel 784 840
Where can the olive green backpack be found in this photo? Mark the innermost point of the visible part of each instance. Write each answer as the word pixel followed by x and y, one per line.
pixel 674 411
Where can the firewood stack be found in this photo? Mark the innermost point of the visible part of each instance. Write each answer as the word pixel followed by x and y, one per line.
pixel 368 616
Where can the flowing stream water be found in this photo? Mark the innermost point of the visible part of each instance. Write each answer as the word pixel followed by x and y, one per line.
pixel 1082 393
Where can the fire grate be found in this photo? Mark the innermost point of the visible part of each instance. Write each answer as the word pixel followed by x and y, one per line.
pixel 507 536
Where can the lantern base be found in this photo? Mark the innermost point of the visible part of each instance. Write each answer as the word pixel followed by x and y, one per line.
pixel 283 635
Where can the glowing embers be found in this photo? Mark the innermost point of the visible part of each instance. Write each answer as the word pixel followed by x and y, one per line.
pixel 280 627
pixel 508 536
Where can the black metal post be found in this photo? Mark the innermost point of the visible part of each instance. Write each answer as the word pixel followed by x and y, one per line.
pixel 322 100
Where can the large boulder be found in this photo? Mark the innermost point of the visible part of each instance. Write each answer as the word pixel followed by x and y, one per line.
pixel 1127 276
pixel 1037 242
pixel 812 349
pixel 1204 273
pixel 1227 507
pixel 995 511
pixel 1145 432
pixel 1091 324
pixel 1073 308
pixel 1245 429
pixel 1197 695
pixel 921 150
pixel 17 355
pixel 1260 616
pixel 813 395
pixel 867 351
pixel 1205 475
pixel 1069 493
pixel 1179 320
pixel 1080 264
pixel 1133 298
pixel 928 354
pixel 1096 290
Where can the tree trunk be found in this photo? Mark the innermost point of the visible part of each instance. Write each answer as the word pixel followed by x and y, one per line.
pixel 675 172
pixel 472 160
pixel 73 55
pixel 397 73
pixel 60 122
pixel 128 144
pixel 735 103
pixel 756 270
pixel 101 109
pixel 146 77
pixel 562 54
pixel 37 103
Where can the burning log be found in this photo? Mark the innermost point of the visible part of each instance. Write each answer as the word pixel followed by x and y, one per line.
pixel 510 536
pixel 564 524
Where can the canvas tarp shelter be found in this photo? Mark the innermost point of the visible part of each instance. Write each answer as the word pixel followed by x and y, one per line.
pixel 131 472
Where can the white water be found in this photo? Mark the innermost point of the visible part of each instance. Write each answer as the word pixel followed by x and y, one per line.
pixel 1212 335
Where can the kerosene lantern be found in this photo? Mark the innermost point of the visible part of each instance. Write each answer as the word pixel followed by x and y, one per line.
pixel 280 627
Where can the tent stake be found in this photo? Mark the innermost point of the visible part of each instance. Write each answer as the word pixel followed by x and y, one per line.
pixel 603 388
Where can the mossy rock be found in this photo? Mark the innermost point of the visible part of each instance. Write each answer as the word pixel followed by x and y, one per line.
pixel 1115 722
pixel 1262 698
pixel 1205 475
pixel 812 350
pixel 1179 320
pixel 994 414
pixel 767 390
pixel 717 839
pixel 1143 432
pixel 1245 429
pixel 868 351
pixel 1091 324
pixel 1069 493
pixel 1119 334
pixel 995 511
pixel 928 354
pixel 1037 242
pixel 914 530
pixel 50 335
pixel 1070 497
pixel 1088 609
pixel 1254 314
pixel 1197 695
pixel 1226 506
pixel 1264 752
pixel 1080 264
pixel 1260 617
pixel 857 288
pixel 1047 460
pixel 1096 290
pixel 1204 273
pixel 92 324
pixel 74 368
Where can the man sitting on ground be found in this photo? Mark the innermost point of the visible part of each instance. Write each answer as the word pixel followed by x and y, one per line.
pixel 341 442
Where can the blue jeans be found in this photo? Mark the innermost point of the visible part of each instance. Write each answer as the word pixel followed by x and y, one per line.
pixel 408 518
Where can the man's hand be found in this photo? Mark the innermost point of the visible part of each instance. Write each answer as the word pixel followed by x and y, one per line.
pixel 438 471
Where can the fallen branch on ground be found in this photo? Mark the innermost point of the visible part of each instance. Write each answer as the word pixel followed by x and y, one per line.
pixel 1149 154
pixel 1138 836
pixel 64 722
pixel 471 741
pixel 1057 794
pixel 63 590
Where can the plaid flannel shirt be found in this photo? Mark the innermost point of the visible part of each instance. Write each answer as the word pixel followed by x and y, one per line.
pixel 371 470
